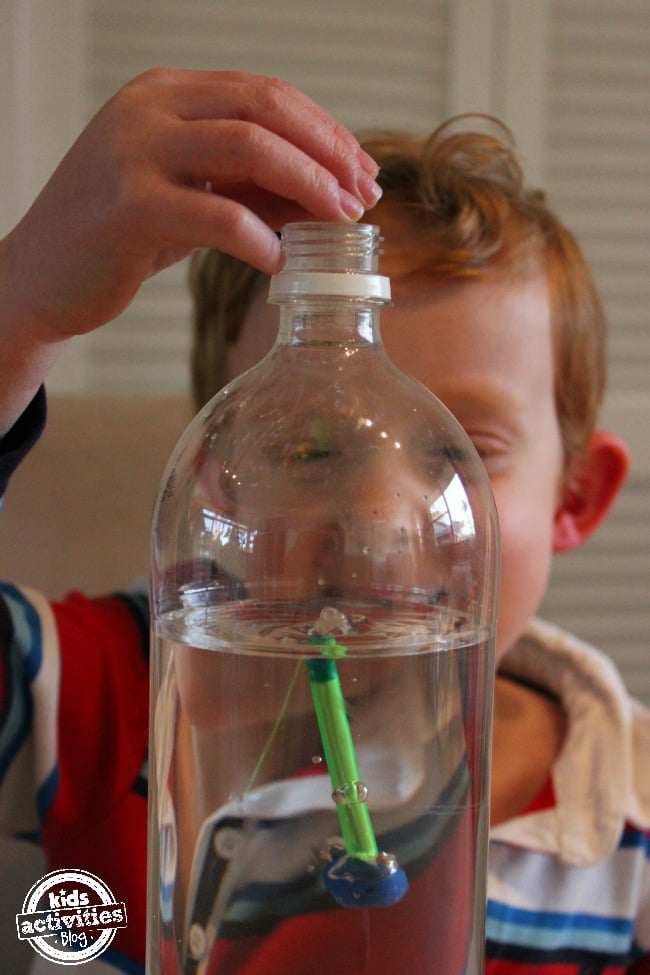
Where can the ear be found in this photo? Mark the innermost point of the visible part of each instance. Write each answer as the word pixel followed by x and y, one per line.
pixel 590 490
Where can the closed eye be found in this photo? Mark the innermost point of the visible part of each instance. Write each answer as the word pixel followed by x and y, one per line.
pixel 309 452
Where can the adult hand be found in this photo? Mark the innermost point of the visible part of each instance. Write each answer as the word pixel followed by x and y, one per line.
pixel 174 161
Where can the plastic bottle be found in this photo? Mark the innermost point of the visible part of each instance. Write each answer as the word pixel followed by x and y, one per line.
pixel 324 581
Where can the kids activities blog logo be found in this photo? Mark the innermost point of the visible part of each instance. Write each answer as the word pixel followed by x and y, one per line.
pixel 70 917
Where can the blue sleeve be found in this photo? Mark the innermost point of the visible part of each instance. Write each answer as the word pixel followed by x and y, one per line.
pixel 21 438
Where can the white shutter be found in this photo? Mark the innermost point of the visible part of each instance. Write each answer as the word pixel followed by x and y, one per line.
pixel 597 156
pixel 376 62
pixel 370 62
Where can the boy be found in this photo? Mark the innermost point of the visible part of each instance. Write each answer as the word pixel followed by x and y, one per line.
pixel 479 265
pixel 496 312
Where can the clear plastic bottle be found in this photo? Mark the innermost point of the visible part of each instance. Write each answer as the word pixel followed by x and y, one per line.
pixel 324 581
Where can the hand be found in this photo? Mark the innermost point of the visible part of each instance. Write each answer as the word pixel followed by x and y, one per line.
pixel 130 196
pixel 174 161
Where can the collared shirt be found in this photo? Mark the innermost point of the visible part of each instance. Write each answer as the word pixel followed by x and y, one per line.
pixel 569 883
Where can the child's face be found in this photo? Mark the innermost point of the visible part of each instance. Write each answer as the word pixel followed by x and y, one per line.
pixel 484 349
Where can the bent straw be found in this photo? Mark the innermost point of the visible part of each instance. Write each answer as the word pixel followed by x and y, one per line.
pixel 338 746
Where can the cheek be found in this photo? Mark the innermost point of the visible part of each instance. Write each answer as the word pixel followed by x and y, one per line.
pixel 526 549
pixel 220 691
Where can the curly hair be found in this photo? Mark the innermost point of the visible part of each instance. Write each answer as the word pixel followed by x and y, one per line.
pixel 460 196
pixel 455 206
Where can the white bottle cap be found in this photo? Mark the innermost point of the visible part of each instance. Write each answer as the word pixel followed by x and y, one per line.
pixel 293 284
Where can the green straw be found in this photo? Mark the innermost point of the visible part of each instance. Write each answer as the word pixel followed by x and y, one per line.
pixel 347 789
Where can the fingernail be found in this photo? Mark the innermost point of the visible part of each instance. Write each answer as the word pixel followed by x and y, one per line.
pixel 368 163
pixel 350 205
pixel 368 189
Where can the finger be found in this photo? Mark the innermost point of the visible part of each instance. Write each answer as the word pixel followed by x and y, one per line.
pixel 232 155
pixel 277 107
pixel 192 219
pixel 256 98
pixel 273 210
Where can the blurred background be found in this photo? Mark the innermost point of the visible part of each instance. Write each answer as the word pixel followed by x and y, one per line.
pixel 570 77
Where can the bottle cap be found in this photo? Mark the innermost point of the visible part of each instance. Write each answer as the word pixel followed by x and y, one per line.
pixel 294 284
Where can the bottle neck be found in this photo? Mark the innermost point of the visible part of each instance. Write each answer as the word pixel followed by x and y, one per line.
pixel 329 321
pixel 329 288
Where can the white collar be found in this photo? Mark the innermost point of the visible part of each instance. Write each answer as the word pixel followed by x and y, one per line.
pixel 601 778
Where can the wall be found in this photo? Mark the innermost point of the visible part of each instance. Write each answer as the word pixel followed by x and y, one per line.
pixel 571 77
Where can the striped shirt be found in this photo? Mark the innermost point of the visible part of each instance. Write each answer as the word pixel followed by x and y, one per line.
pixel 568 881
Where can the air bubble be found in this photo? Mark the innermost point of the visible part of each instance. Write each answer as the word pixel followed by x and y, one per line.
pixel 197 942
pixel 388 861
pixel 332 849
pixel 331 621
pixel 227 842
pixel 350 794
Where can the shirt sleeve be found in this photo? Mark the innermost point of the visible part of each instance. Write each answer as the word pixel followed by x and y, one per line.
pixel 29 687
pixel 73 708
pixel 21 438
pixel 640 967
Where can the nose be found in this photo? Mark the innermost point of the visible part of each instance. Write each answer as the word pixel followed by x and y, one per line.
pixel 328 562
